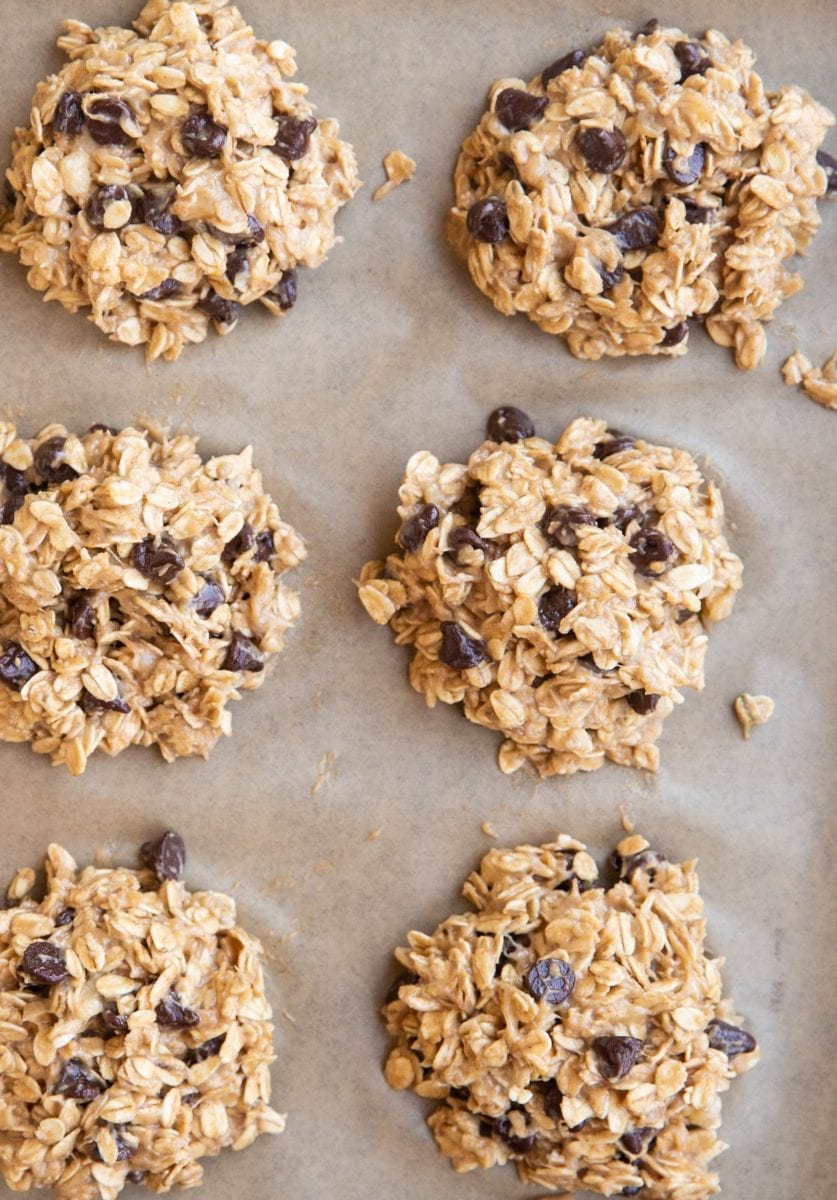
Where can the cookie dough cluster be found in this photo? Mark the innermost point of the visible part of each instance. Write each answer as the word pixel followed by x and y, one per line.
pixel 140 591
pixel 630 189
pixel 135 1036
pixel 174 175
pixel 574 1029
pixel 558 592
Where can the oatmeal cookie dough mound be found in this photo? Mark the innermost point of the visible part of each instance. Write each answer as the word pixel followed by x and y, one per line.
pixel 626 190
pixel 140 590
pixel 576 1030
pixel 135 1037
pixel 172 175
pixel 557 592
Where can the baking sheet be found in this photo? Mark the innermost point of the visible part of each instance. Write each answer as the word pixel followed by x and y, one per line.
pixel 389 350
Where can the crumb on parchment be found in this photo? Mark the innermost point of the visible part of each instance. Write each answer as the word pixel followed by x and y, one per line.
pixel 399 168
pixel 820 383
pixel 752 710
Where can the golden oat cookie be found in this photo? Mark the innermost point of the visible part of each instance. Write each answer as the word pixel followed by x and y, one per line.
pixel 575 1029
pixel 173 175
pixel 135 1035
pixel 629 189
pixel 560 593
pixel 141 589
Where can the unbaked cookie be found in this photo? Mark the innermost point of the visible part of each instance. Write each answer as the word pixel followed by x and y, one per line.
pixel 140 590
pixel 135 1036
pixel 576 1030
pixel 173 175
pixel 557 592
pixel 630 188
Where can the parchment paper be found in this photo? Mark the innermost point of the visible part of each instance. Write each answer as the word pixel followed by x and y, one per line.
pixel 391 349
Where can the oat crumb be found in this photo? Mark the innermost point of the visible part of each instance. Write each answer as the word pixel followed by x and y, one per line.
pixel 324 772
pixel 399 168
pixel 373 835
pixel 752 710
pixel 489 830
pixel 820 383
pixel 288 1016
pixel 627 823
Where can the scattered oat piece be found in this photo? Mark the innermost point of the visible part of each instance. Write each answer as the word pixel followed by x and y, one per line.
pixel 125 1000
pixel 733 193
pixel 820 383
pixel 324 771
pixel 399 168
pixel 752 710
pixel 557 592
pixel 489 830
pixel 373 835
pixel 141 590
pixel 159 181
pixel 612 994
pixel 627 823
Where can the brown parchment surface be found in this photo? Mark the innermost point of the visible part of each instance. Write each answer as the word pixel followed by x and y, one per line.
pixel 391 349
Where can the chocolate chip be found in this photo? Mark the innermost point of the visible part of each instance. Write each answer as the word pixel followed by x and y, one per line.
pixel 242 655
pixel 617 1055
pixel 50 461
pixel 675 335
pixel 293 136
pixel 76 1082
pixel 13 480
pixel 488 220
pixel 603 150
pixel 696 215
pixel 225 312
pixel 65 917
pixel 458 649
pixel 644 860
pixel 633 1190
pixel 616 443
pixel 685 169
pixel 112 1023
pixel 624 514
pixel 238 267
pixel 650 546
pixel 92 704
pixel 206 1050
pixel 560 524
pixel 517 109
pixel 201 137
pixel 8 509
pixel 829 165
pixel 104 121
pixel 153 208
pixel 460 1093
pixel 158 561
pixel 135 1177
pixel 166 857
pixel 44 962
pixel 463 536
pixel 415 529
pixel 637 229
pixel 554 605
pixel 69 114
pixel 574 59
pixel 172 1014
pixel 16 667
pixel 642 702
pixel 691 58
pixel 100 427
pixel 730 1038
pixel 207 599
pixel 486 1128
pixel 265 547
pixel 611 278
pixel 101 200
pixel 650 26
pixel 169 287
pixel 550 979
pixel 286 290
pixel 510 424
pixel 634 1139
pixel 589 663
pixel 515 1143
pixel 243 541
pixel 552 1100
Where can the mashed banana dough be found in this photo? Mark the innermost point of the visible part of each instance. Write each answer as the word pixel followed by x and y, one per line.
pixel 575 1029
pixel 558 592
pixel 173 175
pixel 630 189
